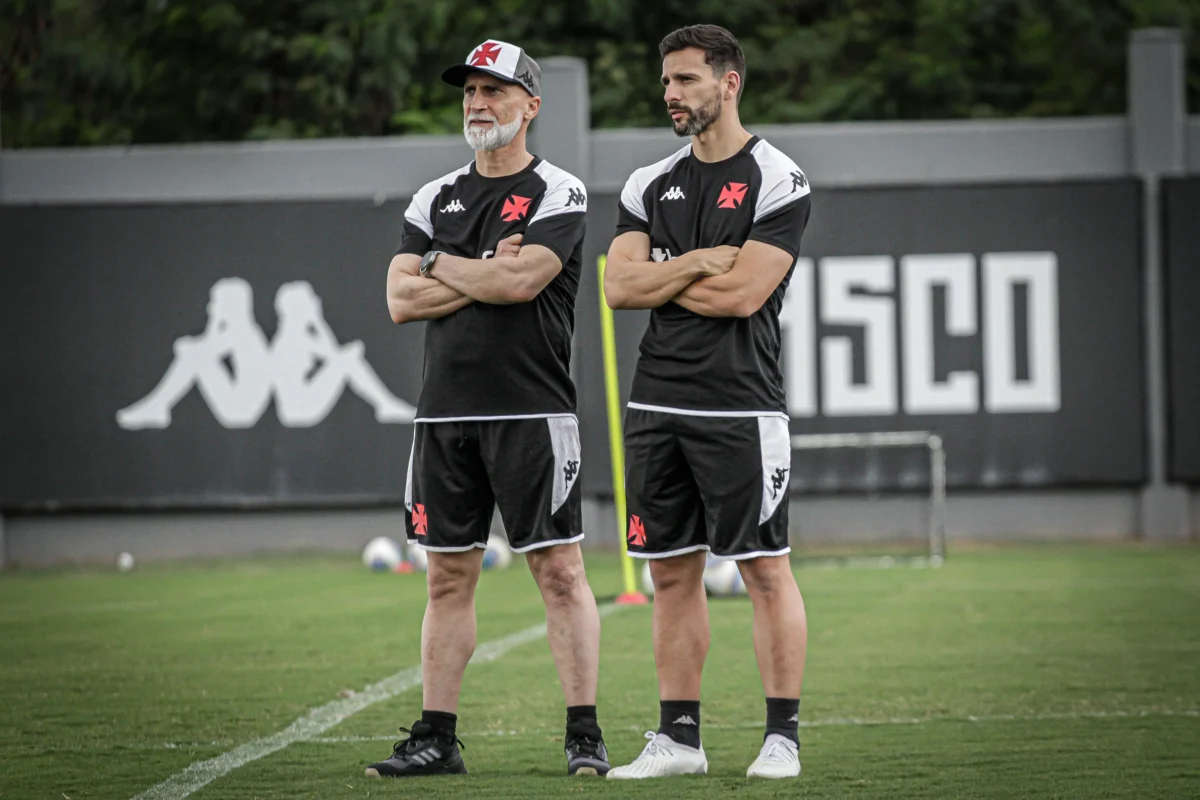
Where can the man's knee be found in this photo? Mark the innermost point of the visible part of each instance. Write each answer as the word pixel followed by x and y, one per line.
pixel 679 573
pixel 558 571
pixel 767 576
pixel 452 576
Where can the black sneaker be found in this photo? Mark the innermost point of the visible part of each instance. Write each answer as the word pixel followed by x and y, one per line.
pixel 586 756
pixel 422 753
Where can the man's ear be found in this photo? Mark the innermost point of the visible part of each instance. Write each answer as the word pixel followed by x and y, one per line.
pixel 532 108
pixel 733 84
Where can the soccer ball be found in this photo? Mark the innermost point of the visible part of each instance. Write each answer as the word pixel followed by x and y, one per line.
pixel 418 558
pixel 382 554
pixel 722 578
pixel 647 580
pixel 498 555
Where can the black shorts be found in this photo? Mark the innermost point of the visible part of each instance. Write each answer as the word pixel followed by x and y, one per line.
pixel 458 472
pixel 706 483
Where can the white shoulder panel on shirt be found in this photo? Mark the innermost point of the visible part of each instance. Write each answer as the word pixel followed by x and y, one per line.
pixel 565 193
pixel 782 181
pixel 635 187
pixel 418 210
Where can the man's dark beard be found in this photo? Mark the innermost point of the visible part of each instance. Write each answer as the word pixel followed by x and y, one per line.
pixel 701 119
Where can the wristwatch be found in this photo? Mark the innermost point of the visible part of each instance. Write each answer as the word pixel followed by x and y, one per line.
pixel 427 262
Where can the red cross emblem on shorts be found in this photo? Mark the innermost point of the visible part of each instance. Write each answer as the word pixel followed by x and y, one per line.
pixel 637 531
pixel 420 519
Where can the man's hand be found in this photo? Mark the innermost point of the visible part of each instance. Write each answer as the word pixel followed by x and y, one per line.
pixel 510 247
pixel 632 280
pixel 717 260
pixel 412 298
pixel 741 291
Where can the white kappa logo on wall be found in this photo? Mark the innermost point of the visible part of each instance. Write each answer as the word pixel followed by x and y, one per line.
pixel 238 372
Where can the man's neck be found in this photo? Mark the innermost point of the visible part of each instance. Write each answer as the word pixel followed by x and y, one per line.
pixel 508 160
pixel 722 140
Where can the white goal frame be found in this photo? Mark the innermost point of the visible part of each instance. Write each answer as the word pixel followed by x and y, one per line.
pixel 937 469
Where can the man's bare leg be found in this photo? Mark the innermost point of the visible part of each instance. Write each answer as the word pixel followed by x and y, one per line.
pixel 572 622
pixel 448 632
pixel 780 625
pixel 573 628
pixel 447 643
pixel 681 639
pixel 780 645
pixel 680 647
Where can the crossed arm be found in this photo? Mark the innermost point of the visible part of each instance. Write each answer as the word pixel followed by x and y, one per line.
pixel 515 275
pixel 713 282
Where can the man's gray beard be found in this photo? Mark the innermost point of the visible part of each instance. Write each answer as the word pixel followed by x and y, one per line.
pixel 492 138
pixel 702 119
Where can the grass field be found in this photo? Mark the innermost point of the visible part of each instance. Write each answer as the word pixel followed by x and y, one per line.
pixel 1051 671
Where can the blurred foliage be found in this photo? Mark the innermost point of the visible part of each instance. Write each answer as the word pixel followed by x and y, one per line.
pixel 86 72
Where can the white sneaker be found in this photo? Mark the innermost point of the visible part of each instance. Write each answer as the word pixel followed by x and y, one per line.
pixel 662 758
pixel 779 758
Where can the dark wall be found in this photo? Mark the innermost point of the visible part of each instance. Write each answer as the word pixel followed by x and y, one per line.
pixel 98 303
pixel 1181 216
pixel 1048 331
pixel 92 303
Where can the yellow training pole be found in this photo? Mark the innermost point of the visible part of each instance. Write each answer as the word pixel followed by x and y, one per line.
pixel 616 440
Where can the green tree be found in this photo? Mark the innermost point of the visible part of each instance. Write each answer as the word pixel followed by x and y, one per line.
pixel 83 72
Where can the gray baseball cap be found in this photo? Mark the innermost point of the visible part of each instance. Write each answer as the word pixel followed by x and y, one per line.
pixel 505 61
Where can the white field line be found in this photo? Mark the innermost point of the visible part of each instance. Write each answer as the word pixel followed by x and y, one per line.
pixel 319 720
pixel 827 723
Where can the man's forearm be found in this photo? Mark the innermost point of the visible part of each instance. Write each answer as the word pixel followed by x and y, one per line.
pixel 412 298
pixel 648 284
pixel 502 280
pixel 716 296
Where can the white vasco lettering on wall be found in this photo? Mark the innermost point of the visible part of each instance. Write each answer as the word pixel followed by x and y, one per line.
pixel 861 291
pixel 238 372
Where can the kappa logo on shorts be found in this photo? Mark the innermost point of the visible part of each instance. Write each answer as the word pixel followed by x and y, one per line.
pixel 420 519
pixel 778 480
pixel 570 471
pixel 637 531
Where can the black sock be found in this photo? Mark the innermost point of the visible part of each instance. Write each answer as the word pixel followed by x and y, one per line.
pixel 442 722
pixel 581 721
pixel 783 717
pixel 680 719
